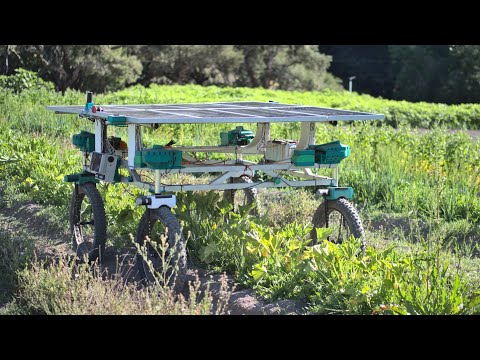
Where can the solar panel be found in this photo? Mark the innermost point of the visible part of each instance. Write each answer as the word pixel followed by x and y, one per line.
pixel 221 112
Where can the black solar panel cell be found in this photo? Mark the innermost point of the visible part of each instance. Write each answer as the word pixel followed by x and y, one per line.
pixel 248 111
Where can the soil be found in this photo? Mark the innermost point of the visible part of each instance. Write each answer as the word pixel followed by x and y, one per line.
pixel 52 242
pixel 399 225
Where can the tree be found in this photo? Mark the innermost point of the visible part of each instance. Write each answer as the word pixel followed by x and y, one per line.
pixel 285 67
pixel 108 67
pixel 85 67
pixel 421 72
pixel 369 63
pixel 182 64
pixel 463 83
pixel 268 66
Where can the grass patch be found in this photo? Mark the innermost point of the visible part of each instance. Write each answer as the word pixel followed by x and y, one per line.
pixel 422 188
pixel 65 288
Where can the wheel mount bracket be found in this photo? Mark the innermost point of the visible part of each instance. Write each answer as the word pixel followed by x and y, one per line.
pixel 155 201
pixel 335 193
pixel 80 178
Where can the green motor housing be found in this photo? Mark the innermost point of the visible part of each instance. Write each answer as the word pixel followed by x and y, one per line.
pixel 335 193
pixel 330 153
pixel 239 136
pixel 158 157
pixel 85 141
pixel 303 158
pixel 117 120
pixel 80 178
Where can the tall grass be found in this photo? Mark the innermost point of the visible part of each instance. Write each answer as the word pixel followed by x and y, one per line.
pixel 433 177
pixel 63 288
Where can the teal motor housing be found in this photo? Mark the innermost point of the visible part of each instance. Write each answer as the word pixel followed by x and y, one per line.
pixel 330 153
pixel 335 193
pixel 85 141
pixel 116 120
pixel 303 158
pixel 239 136
pixel 158 157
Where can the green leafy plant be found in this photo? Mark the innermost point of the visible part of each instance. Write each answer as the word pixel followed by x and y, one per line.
pixel 24 79
pixel 431 177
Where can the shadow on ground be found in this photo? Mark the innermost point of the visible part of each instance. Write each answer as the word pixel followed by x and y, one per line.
pixel 52 241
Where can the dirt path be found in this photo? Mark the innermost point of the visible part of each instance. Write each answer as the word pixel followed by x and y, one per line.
pixel 52 242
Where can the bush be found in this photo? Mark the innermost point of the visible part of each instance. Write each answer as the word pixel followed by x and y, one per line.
pixel 23 80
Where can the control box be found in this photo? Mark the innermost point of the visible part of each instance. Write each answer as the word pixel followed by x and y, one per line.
pixel 104 166
pixel 279 150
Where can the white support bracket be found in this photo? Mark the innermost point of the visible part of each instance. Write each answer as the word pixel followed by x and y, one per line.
pixel 100 134
pixel 155 201
pixel 259 142
pixel 307 135
pixel 236 186
pixel 335 175
pixel 307 175
pixel 134 143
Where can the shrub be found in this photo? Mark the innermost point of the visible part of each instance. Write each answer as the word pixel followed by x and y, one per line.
pixel 24 80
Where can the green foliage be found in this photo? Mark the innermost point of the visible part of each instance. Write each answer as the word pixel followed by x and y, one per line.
pixel 434 73
pixel 267 259
pixel 8 160
pixel 386 282
pixel 83 67
pixel 440 73
pixel 370 64
pixel 427 287
pixel 425 115
pixel 40 167
pixel 110 67
pixel 285 67
pixel 462 84
pixel 430 176
pixel 288 206
pixel 200 64
pixel 277 261
pixel 421 72
pixel 122 213
pixel 22 80
pixel 434 176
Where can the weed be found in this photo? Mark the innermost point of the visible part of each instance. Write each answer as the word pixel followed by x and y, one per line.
pixel 431 180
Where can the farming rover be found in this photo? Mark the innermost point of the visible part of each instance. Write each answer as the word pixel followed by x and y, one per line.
pixel 283 163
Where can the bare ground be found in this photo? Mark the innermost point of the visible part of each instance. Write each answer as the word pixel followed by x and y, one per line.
pixel 52 242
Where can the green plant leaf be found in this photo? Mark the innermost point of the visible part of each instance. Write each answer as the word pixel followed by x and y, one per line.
pixel 207 251
pixel 258 272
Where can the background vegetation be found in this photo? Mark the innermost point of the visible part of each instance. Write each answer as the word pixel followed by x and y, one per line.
pixel 417 194
pixel 112 67
pixel 446 74
pixel 435 73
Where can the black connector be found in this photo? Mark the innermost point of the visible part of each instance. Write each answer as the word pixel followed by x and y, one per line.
pixel 143 200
